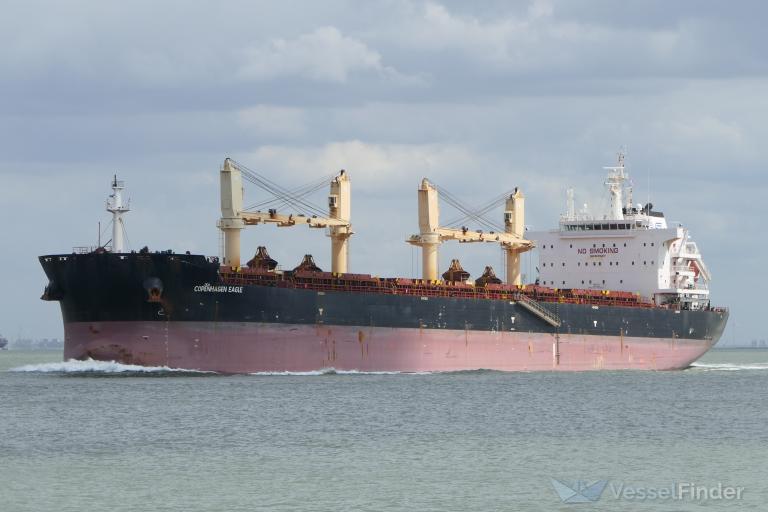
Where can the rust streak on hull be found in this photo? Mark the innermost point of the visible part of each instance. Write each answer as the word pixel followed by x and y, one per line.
pixel 236 347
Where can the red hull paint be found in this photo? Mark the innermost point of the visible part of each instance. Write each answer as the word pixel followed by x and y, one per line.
pixel 253 347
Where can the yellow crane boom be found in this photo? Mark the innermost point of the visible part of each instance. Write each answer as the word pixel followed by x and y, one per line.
pixel 431 234
pixel 234 218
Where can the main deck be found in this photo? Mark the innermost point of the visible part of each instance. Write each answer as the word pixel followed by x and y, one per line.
pixel 366 283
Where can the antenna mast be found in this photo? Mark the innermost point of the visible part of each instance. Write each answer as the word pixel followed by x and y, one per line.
pixel 615 184
pixel 570 208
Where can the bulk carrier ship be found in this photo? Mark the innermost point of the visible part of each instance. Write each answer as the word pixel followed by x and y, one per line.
pixel 626 290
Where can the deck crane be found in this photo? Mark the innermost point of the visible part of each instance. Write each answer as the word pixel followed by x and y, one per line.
pixel 234 218
pixel 431 234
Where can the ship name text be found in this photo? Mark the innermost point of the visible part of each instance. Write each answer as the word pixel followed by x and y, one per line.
pixel 209 288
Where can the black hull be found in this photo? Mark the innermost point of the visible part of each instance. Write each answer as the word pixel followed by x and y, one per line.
pixel 118 288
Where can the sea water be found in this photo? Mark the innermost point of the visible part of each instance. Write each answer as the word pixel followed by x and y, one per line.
pixel 88 435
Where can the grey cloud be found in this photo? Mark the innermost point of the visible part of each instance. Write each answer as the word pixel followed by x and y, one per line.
pixel 501 94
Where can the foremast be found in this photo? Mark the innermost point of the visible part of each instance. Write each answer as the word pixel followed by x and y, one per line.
pixel 118 208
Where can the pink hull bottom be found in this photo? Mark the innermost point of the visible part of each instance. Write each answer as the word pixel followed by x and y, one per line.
pixel 252 347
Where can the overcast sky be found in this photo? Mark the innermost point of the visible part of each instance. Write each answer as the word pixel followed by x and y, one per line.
pixel 479 96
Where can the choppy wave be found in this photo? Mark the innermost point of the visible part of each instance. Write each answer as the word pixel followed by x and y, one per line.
pixel 98 367
pixel 729 367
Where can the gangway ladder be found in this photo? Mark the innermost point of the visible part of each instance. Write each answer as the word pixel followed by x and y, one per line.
pixel 538 310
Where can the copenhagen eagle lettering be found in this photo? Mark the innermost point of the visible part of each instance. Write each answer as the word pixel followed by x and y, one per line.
pixel 209 288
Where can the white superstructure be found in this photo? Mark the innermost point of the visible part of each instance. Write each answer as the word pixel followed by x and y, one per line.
pixel 630 248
